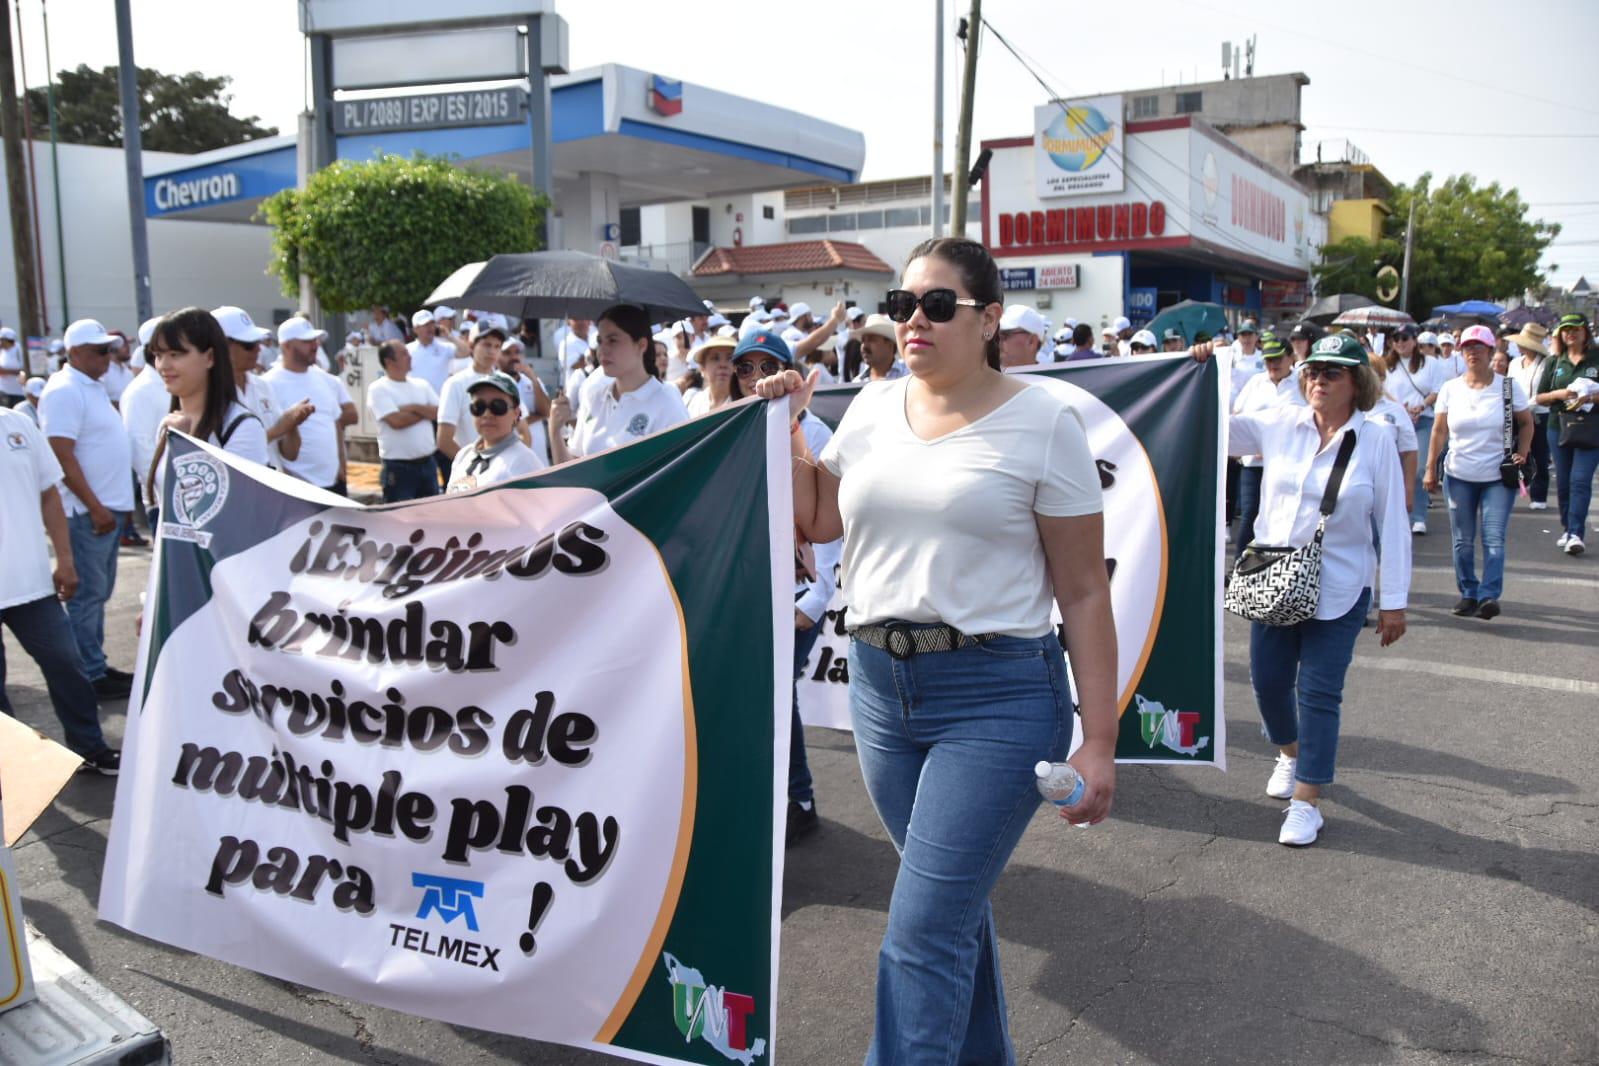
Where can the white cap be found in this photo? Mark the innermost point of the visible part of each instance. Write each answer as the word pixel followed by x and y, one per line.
pixel 34 387
pixel 1446 338
pixel 7 333
pixel 424 317
pixel 799 310
pixel 118 341
pixel 792 336
pixel 1071 323
pixel 1063 335
pixel 1426 336
pixel 299 328
pixel 513 341
pixel 1122 322
pixel 486 325
pixel 86 331
pixel 757 301
pixel 147 331
pixel 728 330
pixel 761 314
pixel 238 326
pixel 55 346
pixel 442 311
pixel 353 337
pixel 716 321
pixel 710 308
pixel 779 314
pixel 1020 316
pixel 855 313
pixel 1144 337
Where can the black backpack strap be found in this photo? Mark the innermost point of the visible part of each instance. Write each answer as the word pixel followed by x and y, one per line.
pixel 1335 480
pixel 227 430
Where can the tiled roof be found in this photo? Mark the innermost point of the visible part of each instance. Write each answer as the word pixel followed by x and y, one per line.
pixel 790 258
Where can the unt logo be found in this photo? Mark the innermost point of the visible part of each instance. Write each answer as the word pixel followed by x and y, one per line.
pixel 714 1015
pixel 448 897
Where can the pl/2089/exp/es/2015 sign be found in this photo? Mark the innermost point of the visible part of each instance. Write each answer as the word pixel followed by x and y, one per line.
pixel 426 111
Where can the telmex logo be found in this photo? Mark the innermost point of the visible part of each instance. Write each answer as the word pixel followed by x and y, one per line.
pixel 194 191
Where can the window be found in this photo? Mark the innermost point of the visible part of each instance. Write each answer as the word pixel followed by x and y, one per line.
pixel 1146 106
pixel 838 223
pixel 869 220
pixel 813 224
pixel 630 227
pixel 974 210
pixel 1189 103
pixel 902 216
pixel 767 211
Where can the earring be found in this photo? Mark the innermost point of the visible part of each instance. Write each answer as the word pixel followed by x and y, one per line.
pixel 988 336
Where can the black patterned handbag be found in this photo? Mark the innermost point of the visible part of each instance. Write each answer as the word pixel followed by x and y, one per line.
pixel 1282 586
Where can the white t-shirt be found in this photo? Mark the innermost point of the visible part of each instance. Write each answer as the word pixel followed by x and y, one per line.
pixel 384 397
pixel 387 330
pixel 574 350
pixel 11 384
pixel 1477 426
pixel 145 403
pixel 116 379
pixel 1450 366
pixel 431 362
pixel 944 530
pixel 454 403
pixel 1391 414
pixel 246 439
pixel 1412 389
pixel 471 470
pixel 258 397
pixel 76 407
pixel 609 420
pixel 27 468
pixel 318 462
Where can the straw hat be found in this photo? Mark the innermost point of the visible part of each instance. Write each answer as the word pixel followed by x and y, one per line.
pixel 1531 338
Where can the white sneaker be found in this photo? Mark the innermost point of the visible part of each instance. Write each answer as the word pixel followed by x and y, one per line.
pixel 1574 546
pixel 1536 506
pixel 1419 527
pixel 1281 783
pixel 1565 538
pixel 1302 825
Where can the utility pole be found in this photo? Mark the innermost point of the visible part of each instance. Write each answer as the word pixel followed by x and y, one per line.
pixel 55 164
pixel 938 119
pixel 1410 240
pixel 22 254
pixel 963 132
pixel 133 158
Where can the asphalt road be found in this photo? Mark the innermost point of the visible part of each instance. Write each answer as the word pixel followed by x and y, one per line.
pixel 1448 914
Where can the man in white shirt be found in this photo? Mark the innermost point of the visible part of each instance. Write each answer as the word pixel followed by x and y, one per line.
pixel 246 341
pixel 297 379
pixel 880 359
pixel 405 408
pixel 1021 336
pixel 30 407
pixel 89 441
pixel 31 592
pixel 431 354
pixel 13 368
pixel 1246 351
pixel 382 327
pixel 573 350
pixel 1123 328
pixel 118 375
pixel 456 428
pixel 145 402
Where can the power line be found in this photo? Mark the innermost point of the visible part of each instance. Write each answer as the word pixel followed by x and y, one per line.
pixel 1455 133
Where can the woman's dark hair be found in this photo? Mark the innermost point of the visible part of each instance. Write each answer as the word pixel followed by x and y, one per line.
pixel 978 272
pixel 194 327
pixel 852 359
pixel 635 322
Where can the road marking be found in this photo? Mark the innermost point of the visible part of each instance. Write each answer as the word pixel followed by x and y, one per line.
pixel 1512 574
pixel 1475 673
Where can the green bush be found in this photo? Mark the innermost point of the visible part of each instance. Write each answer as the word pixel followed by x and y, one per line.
pixel 388 231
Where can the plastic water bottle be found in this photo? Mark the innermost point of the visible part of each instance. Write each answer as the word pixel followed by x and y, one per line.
pixel 1059 783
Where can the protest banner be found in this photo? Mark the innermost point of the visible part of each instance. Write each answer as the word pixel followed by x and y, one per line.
pixel 513 759
pixel 1154 425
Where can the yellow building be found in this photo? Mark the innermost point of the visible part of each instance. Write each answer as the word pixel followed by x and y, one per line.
pixel 1356 218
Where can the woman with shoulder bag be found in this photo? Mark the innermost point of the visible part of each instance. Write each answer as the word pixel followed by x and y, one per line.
pixel 1527 369
pixel 1567 385
pixel 1332 477
pixel 1484 420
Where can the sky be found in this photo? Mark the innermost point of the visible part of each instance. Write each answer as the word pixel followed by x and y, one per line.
pixel 1444 86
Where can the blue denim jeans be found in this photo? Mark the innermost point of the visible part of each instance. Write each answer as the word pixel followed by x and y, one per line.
pixel 1419 499
pixel 1475 505
pixel 41 627
pixel 800 788
pixel 1574 472
pixel 947 743
pixel 95 555
pixel 1249 478
pixel 1298 673
pixel 409 479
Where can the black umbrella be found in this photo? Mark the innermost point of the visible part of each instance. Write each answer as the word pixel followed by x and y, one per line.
pixel 1518 317
pixel 561 284
pixel 1324 310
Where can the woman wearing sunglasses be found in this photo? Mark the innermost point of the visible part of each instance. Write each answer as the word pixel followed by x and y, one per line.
pixel 630 402
pixel 1470 421
pixel 967 499
pixel 498 454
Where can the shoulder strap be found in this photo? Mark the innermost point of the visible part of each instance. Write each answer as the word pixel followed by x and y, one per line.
pixel 1335 480
pixel 227 430
pixel 1510 429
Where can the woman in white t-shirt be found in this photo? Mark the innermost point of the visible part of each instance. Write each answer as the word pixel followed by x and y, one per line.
pixel 634 403
pixel 1471 424
pixel 967 500
pixel 497 454
pixel 714 359
pixel 190 352
pixel 1413 380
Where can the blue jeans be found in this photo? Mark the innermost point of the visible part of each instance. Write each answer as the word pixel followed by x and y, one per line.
pixel 95 555
pixel 1574 471
pixel 41 627
pixel 1419 499
pixel 1249 478
pixel 1472 504
pixel 800 788
pixel 947 743
pixel 409 479
pixel 1298 673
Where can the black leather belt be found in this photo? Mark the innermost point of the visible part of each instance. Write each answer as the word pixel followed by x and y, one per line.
pixel 905 639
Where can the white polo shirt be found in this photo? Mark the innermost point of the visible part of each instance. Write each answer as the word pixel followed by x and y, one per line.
pixel 27 468
pixel 384 397
pixel 74 406
pixel 118 376
pixel 145 402
pixel 257 396
pixel 609 420
pixel 473 469
pixel 431 362
pixel 453 404
pixel 318 461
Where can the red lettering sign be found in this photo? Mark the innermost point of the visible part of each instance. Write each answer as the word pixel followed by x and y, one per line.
pixel 1122 223
pixel 1082 225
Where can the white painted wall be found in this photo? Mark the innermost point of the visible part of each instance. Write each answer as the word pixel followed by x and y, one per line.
pixel 1097 299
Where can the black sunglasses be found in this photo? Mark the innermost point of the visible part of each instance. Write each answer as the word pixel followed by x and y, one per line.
pixel 749 368
pixel 495 407
pixel 248 346
pixel 1327 373
pixel 937 304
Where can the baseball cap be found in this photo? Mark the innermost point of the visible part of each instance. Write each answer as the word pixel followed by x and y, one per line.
pixel 424 317
pixel 1250 326
pixel 353 337
pixel 1143 338
pixel 1343 349
pixel 1174 334
pixel 1302 331
pixel 764 340
pixel 299 328
pixel 710 308
pixel 443 311
pixel 1476 335
pixel 34 387
pixel 757 301
pixel 799 310
pixel 1272 347
pixel 513 341
pixel 1446 338
pixel 55 346
pixel 1122 322
pixel 147 330
pixel 1408 330
pixel 716 321
pixel 1063 335
pixel 1426 336
pixel 238 326
pixel 495 379
pixel 877 325
pixel 1020 316
pixel 855 313
pixel 1571 322
pixel 86 331
pixel 7 333
pixel 485 326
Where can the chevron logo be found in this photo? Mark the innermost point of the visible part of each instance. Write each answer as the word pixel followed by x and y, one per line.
pixel 665 97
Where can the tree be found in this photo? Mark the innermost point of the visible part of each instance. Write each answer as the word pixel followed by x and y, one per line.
pixel 177 112
pixel 388 231
pixel 1470 243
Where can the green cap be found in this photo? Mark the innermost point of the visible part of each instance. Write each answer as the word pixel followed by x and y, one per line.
pixel 1271 347
pixel 1340 348
pixel 502 381
pixel 1572 322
